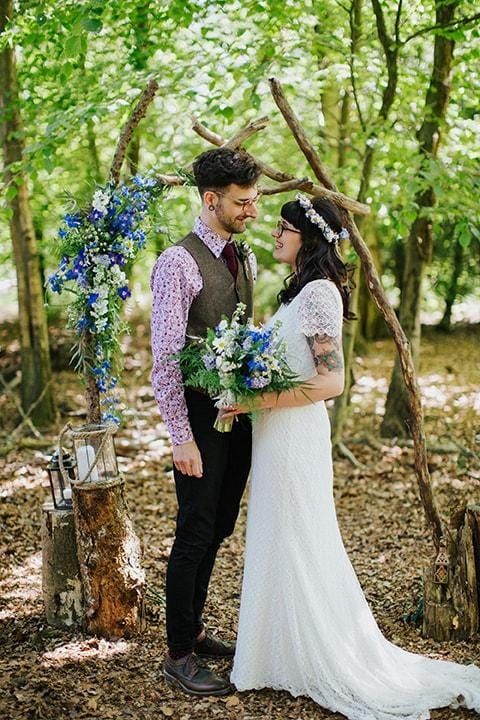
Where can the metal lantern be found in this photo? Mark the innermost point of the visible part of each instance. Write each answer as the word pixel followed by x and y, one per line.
pixel 95 453
pixel 60 482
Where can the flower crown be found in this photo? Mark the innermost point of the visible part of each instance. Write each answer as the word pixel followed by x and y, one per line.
pixel 318 220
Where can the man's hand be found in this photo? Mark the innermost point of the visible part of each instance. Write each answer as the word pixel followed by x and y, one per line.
pixel 187 459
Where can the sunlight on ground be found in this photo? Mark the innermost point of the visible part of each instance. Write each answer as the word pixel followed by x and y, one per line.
pixel 436 393
pixel 24 583
pixel 25 477
pixel 369 388
pixel 79 650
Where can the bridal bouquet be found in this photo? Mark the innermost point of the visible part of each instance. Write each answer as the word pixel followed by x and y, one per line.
pixel 235 362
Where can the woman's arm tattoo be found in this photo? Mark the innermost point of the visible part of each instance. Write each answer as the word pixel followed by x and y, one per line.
pixel 327 352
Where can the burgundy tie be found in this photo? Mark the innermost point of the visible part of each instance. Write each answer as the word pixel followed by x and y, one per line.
pixel 230 256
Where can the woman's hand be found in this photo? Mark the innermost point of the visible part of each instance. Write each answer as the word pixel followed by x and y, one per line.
pixel 262 402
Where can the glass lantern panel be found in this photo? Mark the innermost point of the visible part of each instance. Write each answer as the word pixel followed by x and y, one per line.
pixel 87 448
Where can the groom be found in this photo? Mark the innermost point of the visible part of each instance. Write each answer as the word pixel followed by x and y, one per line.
pixel 194 283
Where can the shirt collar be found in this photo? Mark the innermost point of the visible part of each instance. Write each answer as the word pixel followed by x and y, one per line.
pixel 212 240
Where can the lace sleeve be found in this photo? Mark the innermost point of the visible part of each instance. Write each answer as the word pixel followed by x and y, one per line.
pixel 321 309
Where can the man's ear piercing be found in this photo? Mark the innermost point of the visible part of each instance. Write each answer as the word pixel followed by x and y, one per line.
pixel 211 208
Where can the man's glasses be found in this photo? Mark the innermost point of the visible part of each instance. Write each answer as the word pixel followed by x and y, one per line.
pixel 280 227
pixel 241 203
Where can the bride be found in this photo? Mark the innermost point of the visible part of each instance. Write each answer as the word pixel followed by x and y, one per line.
pixel 305 625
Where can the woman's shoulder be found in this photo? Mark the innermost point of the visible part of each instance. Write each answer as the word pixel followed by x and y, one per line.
pixel 321 288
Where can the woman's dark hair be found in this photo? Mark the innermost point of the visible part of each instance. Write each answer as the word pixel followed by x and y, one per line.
pixel 215 169
pixel 317 259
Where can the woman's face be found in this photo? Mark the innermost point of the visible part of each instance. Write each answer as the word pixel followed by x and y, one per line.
pixel 288 241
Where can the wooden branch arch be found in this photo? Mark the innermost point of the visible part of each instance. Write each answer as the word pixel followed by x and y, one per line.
pixel 324 187
pixel 438 601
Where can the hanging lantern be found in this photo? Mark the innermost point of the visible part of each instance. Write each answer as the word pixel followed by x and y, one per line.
pixel 442 564
pixel 60 482
pixel 95 453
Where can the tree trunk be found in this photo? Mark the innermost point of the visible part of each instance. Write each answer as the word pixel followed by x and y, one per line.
pixel 370 321
pixel 390 50
pixel 93 152
pixel 133 154
pixel 109 555
pixel 37 395
pixel 61 583
pixel 342 402
pixel 451 294
pixel 419 244
pixel 452 609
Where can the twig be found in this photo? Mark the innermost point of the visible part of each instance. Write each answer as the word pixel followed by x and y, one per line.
pixel 346 453
pixel 460 22
pixel 25 415
pixel 246 132
pixel 129 128
pixel 298 133
pixel 284 187
pixel 308 186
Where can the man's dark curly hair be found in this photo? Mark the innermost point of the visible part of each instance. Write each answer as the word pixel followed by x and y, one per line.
pixel 215 169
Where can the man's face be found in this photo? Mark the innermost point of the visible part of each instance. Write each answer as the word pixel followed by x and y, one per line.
pixel 235 205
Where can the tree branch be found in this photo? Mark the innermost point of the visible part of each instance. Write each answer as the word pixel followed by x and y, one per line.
pixel 307 186
pixel 460 22
pixel 303 142
pixel 129 128
pixel 285 187
pixel 397 22
pixel 390 49
pixel 355 29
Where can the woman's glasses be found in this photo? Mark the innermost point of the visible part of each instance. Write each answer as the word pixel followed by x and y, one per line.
pixel 280 227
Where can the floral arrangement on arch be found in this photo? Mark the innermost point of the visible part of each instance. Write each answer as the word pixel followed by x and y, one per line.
pixel 98 246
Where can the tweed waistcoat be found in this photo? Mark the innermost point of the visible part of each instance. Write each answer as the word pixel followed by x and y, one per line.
pixel 220 292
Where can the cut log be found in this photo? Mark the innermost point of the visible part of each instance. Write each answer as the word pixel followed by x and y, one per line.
pixel 61 582
pixel 452 609
pixel 110 560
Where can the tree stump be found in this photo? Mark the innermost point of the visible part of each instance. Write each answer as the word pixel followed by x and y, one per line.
pixel 109 555
pixel 61 581
pixel 452 609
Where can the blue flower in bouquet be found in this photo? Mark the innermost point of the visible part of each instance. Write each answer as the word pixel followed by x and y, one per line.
pixel 56 283
pixel 95 215
pixel 124 292
pixel 209 361
pixel 257 365
pixel 73 221
pixel 257 382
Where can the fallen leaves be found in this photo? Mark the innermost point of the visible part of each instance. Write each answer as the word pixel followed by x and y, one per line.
pixel 48 674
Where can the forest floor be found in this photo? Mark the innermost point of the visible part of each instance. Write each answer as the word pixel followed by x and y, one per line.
pixel 52 675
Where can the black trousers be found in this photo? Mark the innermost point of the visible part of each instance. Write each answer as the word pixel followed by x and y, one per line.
pixel 207 511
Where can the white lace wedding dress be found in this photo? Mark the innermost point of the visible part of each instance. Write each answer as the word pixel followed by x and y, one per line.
pixel 305 625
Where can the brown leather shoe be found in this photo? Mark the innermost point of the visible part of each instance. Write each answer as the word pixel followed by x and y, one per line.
pixel 193 678
pixel 213 647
